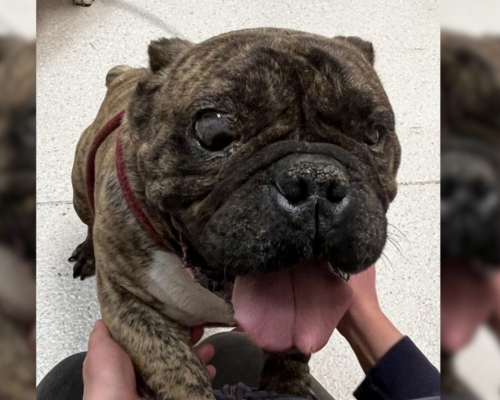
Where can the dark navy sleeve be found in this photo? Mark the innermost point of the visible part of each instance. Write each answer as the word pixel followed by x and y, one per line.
pixel 403 373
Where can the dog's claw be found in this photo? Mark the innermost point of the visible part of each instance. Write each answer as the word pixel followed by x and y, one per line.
pixel 83 256
pixel 83 3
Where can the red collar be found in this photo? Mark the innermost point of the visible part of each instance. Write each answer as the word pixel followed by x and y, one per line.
pixel 121 174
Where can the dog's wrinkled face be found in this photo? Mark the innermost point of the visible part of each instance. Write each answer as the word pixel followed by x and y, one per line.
pixel 268 147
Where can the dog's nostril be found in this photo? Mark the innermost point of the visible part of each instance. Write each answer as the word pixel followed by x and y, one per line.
pixel 336 192
pixel 294 189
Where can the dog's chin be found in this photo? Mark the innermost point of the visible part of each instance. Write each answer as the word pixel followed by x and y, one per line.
pixel 216 261
pixel 335 257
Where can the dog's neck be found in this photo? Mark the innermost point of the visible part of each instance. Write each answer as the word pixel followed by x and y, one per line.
pixel 121 173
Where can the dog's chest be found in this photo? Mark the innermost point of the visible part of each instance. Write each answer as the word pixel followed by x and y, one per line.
pixel 184 300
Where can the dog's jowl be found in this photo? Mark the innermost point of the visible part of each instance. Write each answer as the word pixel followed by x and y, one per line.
pixel 236 181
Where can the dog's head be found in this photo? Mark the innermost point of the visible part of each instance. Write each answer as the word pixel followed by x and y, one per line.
pixel 470 193
pixel 267 149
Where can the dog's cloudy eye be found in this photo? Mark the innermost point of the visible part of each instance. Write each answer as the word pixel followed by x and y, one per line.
pixel 213 131
pixel 373 136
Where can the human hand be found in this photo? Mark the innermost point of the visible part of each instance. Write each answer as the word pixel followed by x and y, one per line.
pixel 495 319
pixel 369 332
pixel 467 302
pixel 364 292
pixel 108 373
pixel 364 300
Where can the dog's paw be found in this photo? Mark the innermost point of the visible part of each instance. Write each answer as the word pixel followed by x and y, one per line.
pixel 84 260
pixel 83 3
pixel 287 373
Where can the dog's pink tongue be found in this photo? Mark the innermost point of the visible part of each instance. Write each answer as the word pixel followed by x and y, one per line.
pixel 298 307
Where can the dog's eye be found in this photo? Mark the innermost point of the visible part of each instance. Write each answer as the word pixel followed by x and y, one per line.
pixel 373 136
pixel 213 131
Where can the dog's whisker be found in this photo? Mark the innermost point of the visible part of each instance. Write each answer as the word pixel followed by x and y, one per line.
pixel 383 260
pixel 394 241
pixel 384 257
pixel 396 246
pixel 399 231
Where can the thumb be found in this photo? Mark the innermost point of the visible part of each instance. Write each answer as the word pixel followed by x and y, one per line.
pixel 108 372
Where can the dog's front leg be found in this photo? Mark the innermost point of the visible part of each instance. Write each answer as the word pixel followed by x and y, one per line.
pixel 17 365
pixel 166 367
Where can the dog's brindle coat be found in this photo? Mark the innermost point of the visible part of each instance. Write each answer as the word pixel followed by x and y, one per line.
pixel 470 106
pixel 283 92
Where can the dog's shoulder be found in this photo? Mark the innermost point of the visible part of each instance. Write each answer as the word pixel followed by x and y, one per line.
pixel 121 82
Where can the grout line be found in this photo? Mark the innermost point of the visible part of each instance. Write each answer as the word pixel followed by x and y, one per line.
pixel 420 183
pixel 52 203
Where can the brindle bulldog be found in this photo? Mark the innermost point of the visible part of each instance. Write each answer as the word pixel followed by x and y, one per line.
pixel 470 193
pixel 250 172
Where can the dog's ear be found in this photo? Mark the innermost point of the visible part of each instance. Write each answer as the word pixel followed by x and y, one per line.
pixel 365 47
pixel 164 51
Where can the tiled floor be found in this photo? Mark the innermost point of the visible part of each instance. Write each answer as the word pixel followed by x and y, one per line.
pixel 18 18
pixel 76 48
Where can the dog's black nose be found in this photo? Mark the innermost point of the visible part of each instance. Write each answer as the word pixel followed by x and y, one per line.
pixel 304 178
